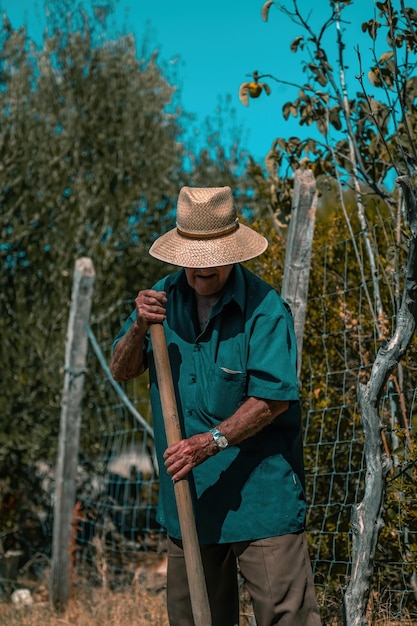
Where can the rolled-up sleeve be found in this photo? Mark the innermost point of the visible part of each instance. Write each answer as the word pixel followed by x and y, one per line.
pixel 272 359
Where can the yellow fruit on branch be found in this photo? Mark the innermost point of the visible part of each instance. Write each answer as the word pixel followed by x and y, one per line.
pixel 254 89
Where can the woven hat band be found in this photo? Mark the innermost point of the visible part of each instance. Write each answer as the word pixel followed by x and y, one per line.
pixel 212 235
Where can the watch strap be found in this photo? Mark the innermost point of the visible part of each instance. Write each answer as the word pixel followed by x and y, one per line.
pixel 219 439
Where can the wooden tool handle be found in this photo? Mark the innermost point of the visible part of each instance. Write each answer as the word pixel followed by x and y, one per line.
pixel 195 573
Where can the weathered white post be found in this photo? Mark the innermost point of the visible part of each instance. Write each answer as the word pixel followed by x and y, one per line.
pixel 75 367
pixel 298 251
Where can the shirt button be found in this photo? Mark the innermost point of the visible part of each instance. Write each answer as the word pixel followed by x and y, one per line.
pixel 192 379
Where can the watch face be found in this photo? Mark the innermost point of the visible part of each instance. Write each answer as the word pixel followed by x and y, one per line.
pixel 222 442
pixel 219 439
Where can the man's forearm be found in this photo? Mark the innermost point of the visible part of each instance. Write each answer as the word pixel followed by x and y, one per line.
pixel 128 356
pixel 251 417
pixel 246 421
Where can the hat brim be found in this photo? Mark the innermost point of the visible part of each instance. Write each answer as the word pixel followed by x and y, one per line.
pixel 241 245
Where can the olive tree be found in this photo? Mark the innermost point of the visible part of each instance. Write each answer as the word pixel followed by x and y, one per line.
pixel 92 156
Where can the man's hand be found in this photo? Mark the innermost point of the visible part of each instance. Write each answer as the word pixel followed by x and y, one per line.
pixel 128 358
pixel 150 307
pixel 183 456
pixel 251 417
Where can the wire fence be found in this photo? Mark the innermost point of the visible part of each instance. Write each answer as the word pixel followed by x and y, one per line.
pixel 117 492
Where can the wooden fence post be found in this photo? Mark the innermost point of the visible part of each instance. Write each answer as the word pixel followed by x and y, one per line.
pixel 66 469
pixel 298 251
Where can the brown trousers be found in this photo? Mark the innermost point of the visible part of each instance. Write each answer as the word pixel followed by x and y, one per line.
pixel 277 574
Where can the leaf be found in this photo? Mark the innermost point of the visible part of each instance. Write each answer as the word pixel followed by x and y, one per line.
pixel 321 79
pixel 289 108
pixel 386 56
pixel 271 160
pixel 411 88
pixel 334 117
pixel 399 40
pixel 322 126
pixel 266 88
pixel 411 14
pixel 374 77
pixel 282 143
pixel 296 44
pixel 293 143
pixel 323 96
pixel 372 27
pixel 318 74
pixel 243 94
pixel 265 10
pixel 312 146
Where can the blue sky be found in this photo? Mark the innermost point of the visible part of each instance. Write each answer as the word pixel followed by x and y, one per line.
pixel 216 44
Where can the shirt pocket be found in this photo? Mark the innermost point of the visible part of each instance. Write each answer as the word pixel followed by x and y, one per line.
pixel 223 393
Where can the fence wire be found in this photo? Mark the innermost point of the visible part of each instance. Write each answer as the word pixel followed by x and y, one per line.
pixel 116 521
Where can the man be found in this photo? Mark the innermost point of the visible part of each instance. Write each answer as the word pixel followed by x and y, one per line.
pixel 232 352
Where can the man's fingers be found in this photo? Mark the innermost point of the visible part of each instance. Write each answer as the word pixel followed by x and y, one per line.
pixel 178 469
pixel 150 305
pixel 184 455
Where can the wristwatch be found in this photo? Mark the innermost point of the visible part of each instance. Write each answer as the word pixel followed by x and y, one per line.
pixel 219 439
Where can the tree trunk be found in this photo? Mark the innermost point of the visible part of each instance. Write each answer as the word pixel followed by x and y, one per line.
pixel 367 515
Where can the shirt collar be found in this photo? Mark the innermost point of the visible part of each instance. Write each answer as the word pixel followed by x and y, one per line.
pixel 235 288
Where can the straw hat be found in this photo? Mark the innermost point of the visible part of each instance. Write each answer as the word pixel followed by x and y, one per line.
pixel 208 233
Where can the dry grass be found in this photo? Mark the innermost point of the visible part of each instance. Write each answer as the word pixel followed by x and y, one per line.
pixel 96 607
pixel 132 607
pixel 141 604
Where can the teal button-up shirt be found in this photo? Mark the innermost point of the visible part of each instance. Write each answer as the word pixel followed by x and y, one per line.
pixel 248 348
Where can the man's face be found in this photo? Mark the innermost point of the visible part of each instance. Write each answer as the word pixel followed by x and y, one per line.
pixel 208 281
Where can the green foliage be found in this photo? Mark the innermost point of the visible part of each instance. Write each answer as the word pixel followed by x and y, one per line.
pixel 352 136
pixel 89 164
pixel 92 160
